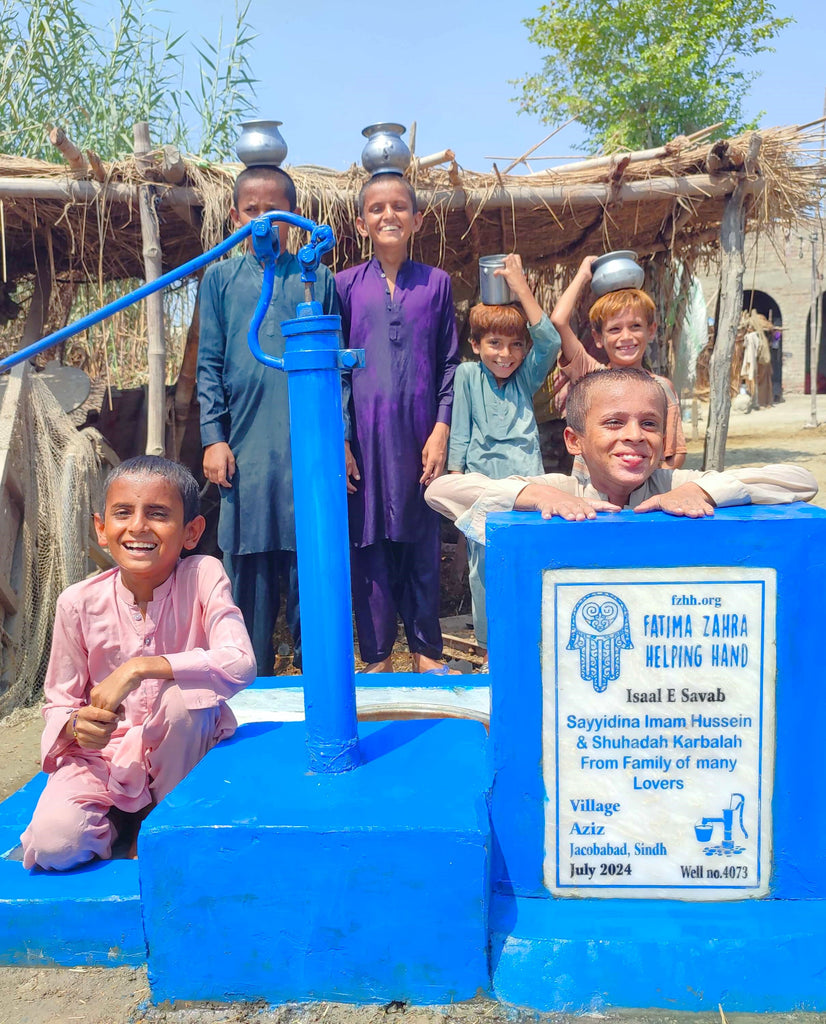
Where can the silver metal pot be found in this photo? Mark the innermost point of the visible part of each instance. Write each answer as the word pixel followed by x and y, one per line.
pixel 386 151
pixel 493 291
pixel 616 270
pixel 260 142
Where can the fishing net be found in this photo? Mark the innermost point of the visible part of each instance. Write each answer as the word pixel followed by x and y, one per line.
pixel 53 475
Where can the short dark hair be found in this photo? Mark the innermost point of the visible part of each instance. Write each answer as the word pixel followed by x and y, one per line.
pixel 578 402
pixel 266 171
pixel 155 465
pixel 386 176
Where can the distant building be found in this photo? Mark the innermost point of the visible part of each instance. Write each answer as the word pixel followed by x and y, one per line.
pixel 778 284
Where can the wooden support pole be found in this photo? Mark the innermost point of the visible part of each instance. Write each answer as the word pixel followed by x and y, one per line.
pixel 85 191
pixel 522 197
pixel 35 327
pixel 153 268
pixel 96 164
pixel 68 150
pixel 185 385
pixel 444 156
pixel 173 167
pixel 814 334
pixel 732 269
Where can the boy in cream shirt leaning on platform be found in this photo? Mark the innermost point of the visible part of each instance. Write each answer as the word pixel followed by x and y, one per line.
pixel 616 420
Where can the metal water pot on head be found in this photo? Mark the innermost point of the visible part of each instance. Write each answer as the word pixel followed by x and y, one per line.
pixel 385 152
pixel 616 270
pixel 493 290
pixel 261 143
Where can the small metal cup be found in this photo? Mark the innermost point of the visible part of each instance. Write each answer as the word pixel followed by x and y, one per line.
pixel 493 291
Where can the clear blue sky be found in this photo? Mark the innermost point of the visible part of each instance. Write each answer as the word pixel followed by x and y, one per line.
pixel 329 68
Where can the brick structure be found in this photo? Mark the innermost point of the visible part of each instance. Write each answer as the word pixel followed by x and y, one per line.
pixel 778 284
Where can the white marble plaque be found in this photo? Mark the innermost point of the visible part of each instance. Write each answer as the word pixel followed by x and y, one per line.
pixel 658 731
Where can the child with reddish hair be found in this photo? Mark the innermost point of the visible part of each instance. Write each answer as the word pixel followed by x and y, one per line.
pixel 623 323
pixel 493 428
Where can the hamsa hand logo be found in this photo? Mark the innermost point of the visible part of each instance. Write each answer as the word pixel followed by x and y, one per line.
pixel 599 629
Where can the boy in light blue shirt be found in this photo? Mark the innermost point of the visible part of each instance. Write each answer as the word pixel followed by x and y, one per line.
pixel 493 428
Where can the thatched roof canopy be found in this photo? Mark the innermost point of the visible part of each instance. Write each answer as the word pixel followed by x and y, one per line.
pixel 669 199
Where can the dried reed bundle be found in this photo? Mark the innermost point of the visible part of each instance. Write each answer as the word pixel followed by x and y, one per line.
pixel 667 201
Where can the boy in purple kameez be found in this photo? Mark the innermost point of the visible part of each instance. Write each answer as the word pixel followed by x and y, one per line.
pixel 401 313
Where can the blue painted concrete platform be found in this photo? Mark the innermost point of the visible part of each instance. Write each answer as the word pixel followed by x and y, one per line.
pixel 588 954
pixel 93 915
pixel 261 881
pixel 90 916
pixel 583 956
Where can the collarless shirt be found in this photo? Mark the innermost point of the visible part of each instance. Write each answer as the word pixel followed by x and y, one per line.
pixel 493 429
pixel 404 389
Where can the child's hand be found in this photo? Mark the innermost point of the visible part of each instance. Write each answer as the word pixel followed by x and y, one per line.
pixel 91 727
pixel 219 464
pixel 434 454
pixel 518 284
pixel 584 271
pixel 512 272
pixel 687 500
pixel 551 501
pixel 351 469
pixel 574 509
pixel 110 693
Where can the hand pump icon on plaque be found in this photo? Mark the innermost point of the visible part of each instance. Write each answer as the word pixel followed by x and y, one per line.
pixel 727 847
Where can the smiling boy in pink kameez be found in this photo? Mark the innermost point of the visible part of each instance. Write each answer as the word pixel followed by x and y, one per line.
pixel 143 659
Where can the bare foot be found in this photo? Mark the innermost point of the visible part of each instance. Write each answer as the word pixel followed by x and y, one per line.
pixel 421 663
pixel 378 666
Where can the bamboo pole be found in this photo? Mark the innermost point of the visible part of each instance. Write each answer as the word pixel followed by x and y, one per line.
pixel 693 186
pixel 814 334
pixel 153 268
pixel 68 150
pixel 185 385
pixel 38 314
pixel 173 167
pixel 96 165
pixel 658 153
pixel 523 197
pixel 732 269
pixel 68 190
pixel 444 156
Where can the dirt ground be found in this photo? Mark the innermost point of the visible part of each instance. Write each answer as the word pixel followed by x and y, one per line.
pixel 121 996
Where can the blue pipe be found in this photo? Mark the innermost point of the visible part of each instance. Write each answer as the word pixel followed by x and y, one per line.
pixel 258 318
pixel 70 330
pixel 313 360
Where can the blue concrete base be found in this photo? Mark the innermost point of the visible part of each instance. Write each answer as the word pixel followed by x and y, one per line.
pixel 579 956
pixel 89 916
pixel 261 881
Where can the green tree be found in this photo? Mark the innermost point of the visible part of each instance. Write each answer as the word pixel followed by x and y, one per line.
pixel 636 73
pixel 59 69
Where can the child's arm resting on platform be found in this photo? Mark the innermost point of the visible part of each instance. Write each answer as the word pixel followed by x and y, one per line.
pixel 552 501
pixel 686 500
pixel 564 310
pixel 753 485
